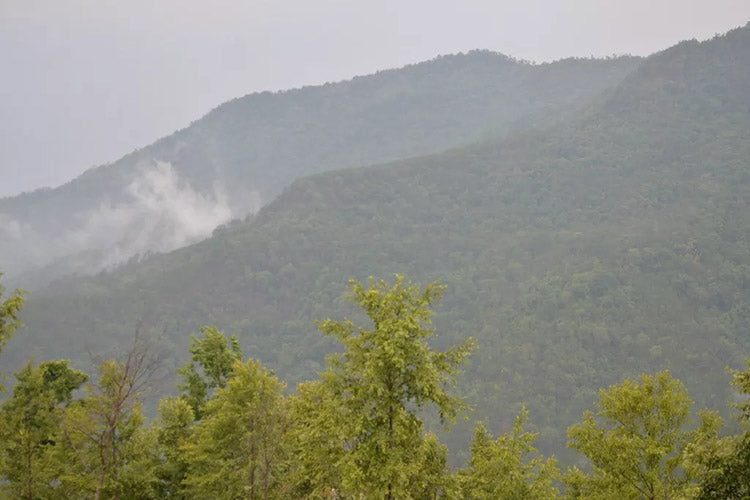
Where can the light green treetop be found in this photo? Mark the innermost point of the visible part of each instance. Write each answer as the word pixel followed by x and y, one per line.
pixel 509 468
pixel 215 355
pixel 108 449
pixel 9 321
pixel 31 419
pixel 727 463
pixel 315 440
pixel 385 374
pixel 636 441
pixel 741 382
pixel 234 451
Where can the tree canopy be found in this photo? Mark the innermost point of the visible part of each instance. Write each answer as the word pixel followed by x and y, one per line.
pixel 355 432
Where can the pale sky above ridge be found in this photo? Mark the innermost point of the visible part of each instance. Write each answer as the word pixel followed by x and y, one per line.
pixel 86 81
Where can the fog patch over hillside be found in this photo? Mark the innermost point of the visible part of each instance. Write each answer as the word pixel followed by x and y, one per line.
pixel 162 212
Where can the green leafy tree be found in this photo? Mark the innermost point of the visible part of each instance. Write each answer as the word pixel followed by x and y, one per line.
pixel 741 382
pixel 214 355
pixel 315 441
pixel 636 445
pixel 9 321
pixel 386 373
pixel 173 430
pixel 31 426
pixel 730 477
pixel 110 453
pixel 729 472
pixel 506 468
pixel 433 479
pixel 317 450
pixel 235 449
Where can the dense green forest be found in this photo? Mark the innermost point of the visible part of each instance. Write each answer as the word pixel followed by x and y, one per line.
pixel 353 433
pixel 576 255
pixel 243 153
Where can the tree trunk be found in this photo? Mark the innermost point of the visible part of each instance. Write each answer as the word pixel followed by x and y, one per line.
pixel 390 447
pixel 29 465
pixel 252 472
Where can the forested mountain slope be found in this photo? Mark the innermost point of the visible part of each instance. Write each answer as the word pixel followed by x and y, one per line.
pixel 241 154
pixel 614 244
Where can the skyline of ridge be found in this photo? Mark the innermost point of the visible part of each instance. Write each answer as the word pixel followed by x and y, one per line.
pixel 90 83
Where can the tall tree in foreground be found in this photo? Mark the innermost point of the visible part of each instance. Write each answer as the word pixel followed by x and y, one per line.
pixel 211 360
pixel 729 478
pixel 30 434
pixel 235 449
pixel 509 468
pixel 636 445
pixel 173 431
pixel 386 373
pixel 315 441
pixel 9 322
pixel 107 446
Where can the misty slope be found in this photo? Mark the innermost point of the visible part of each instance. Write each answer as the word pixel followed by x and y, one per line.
pixel 244 152
pixel 615 243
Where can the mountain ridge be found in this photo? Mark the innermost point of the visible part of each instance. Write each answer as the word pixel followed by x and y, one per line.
pixel 241 154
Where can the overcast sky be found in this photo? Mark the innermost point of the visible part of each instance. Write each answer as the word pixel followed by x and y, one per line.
pixel 86 81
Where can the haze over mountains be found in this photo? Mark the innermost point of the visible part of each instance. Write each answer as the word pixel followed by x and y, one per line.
pixel 239 156
pixel 597 228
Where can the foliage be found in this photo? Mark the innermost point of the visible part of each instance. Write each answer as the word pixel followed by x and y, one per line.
pixel 741 382
pixel 576 255
pixel 368 120
pixel 315 441
pixel 108 451
pixel 383 376
pixel 173 433
pixel 636 445
pixel 729 472
pixel 731 478
pixel 506 468
pixel 432 479
pixel 215 355
pixel 9 322
pixel 31 420
pixel 234 451
pixel 356 432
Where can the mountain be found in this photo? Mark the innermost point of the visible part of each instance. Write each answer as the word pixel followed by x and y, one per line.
pixel 240 155
pixel 613 243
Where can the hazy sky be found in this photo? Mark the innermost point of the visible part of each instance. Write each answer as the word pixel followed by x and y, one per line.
pixel 86 81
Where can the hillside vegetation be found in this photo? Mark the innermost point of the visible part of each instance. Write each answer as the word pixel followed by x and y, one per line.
pixel 613 244
pixel 240 155
pixel 355 432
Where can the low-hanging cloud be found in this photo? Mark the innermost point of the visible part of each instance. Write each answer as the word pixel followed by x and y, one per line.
pixel 159 213
pixel 164 214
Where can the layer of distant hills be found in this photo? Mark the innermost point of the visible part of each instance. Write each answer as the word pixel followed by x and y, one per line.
pixel 591 219
pixel 242 154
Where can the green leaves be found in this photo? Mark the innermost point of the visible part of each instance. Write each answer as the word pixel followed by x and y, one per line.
pixel 636 441
pixel 173 430
pixel 30 434
pixel 9 321
pixel 385 373
pixel 354 433
pixel 315 440
pixel 215 355
pixel 234 451
pixel 727 473
pixel 741 382
pixel 509 467
pixel 9 310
